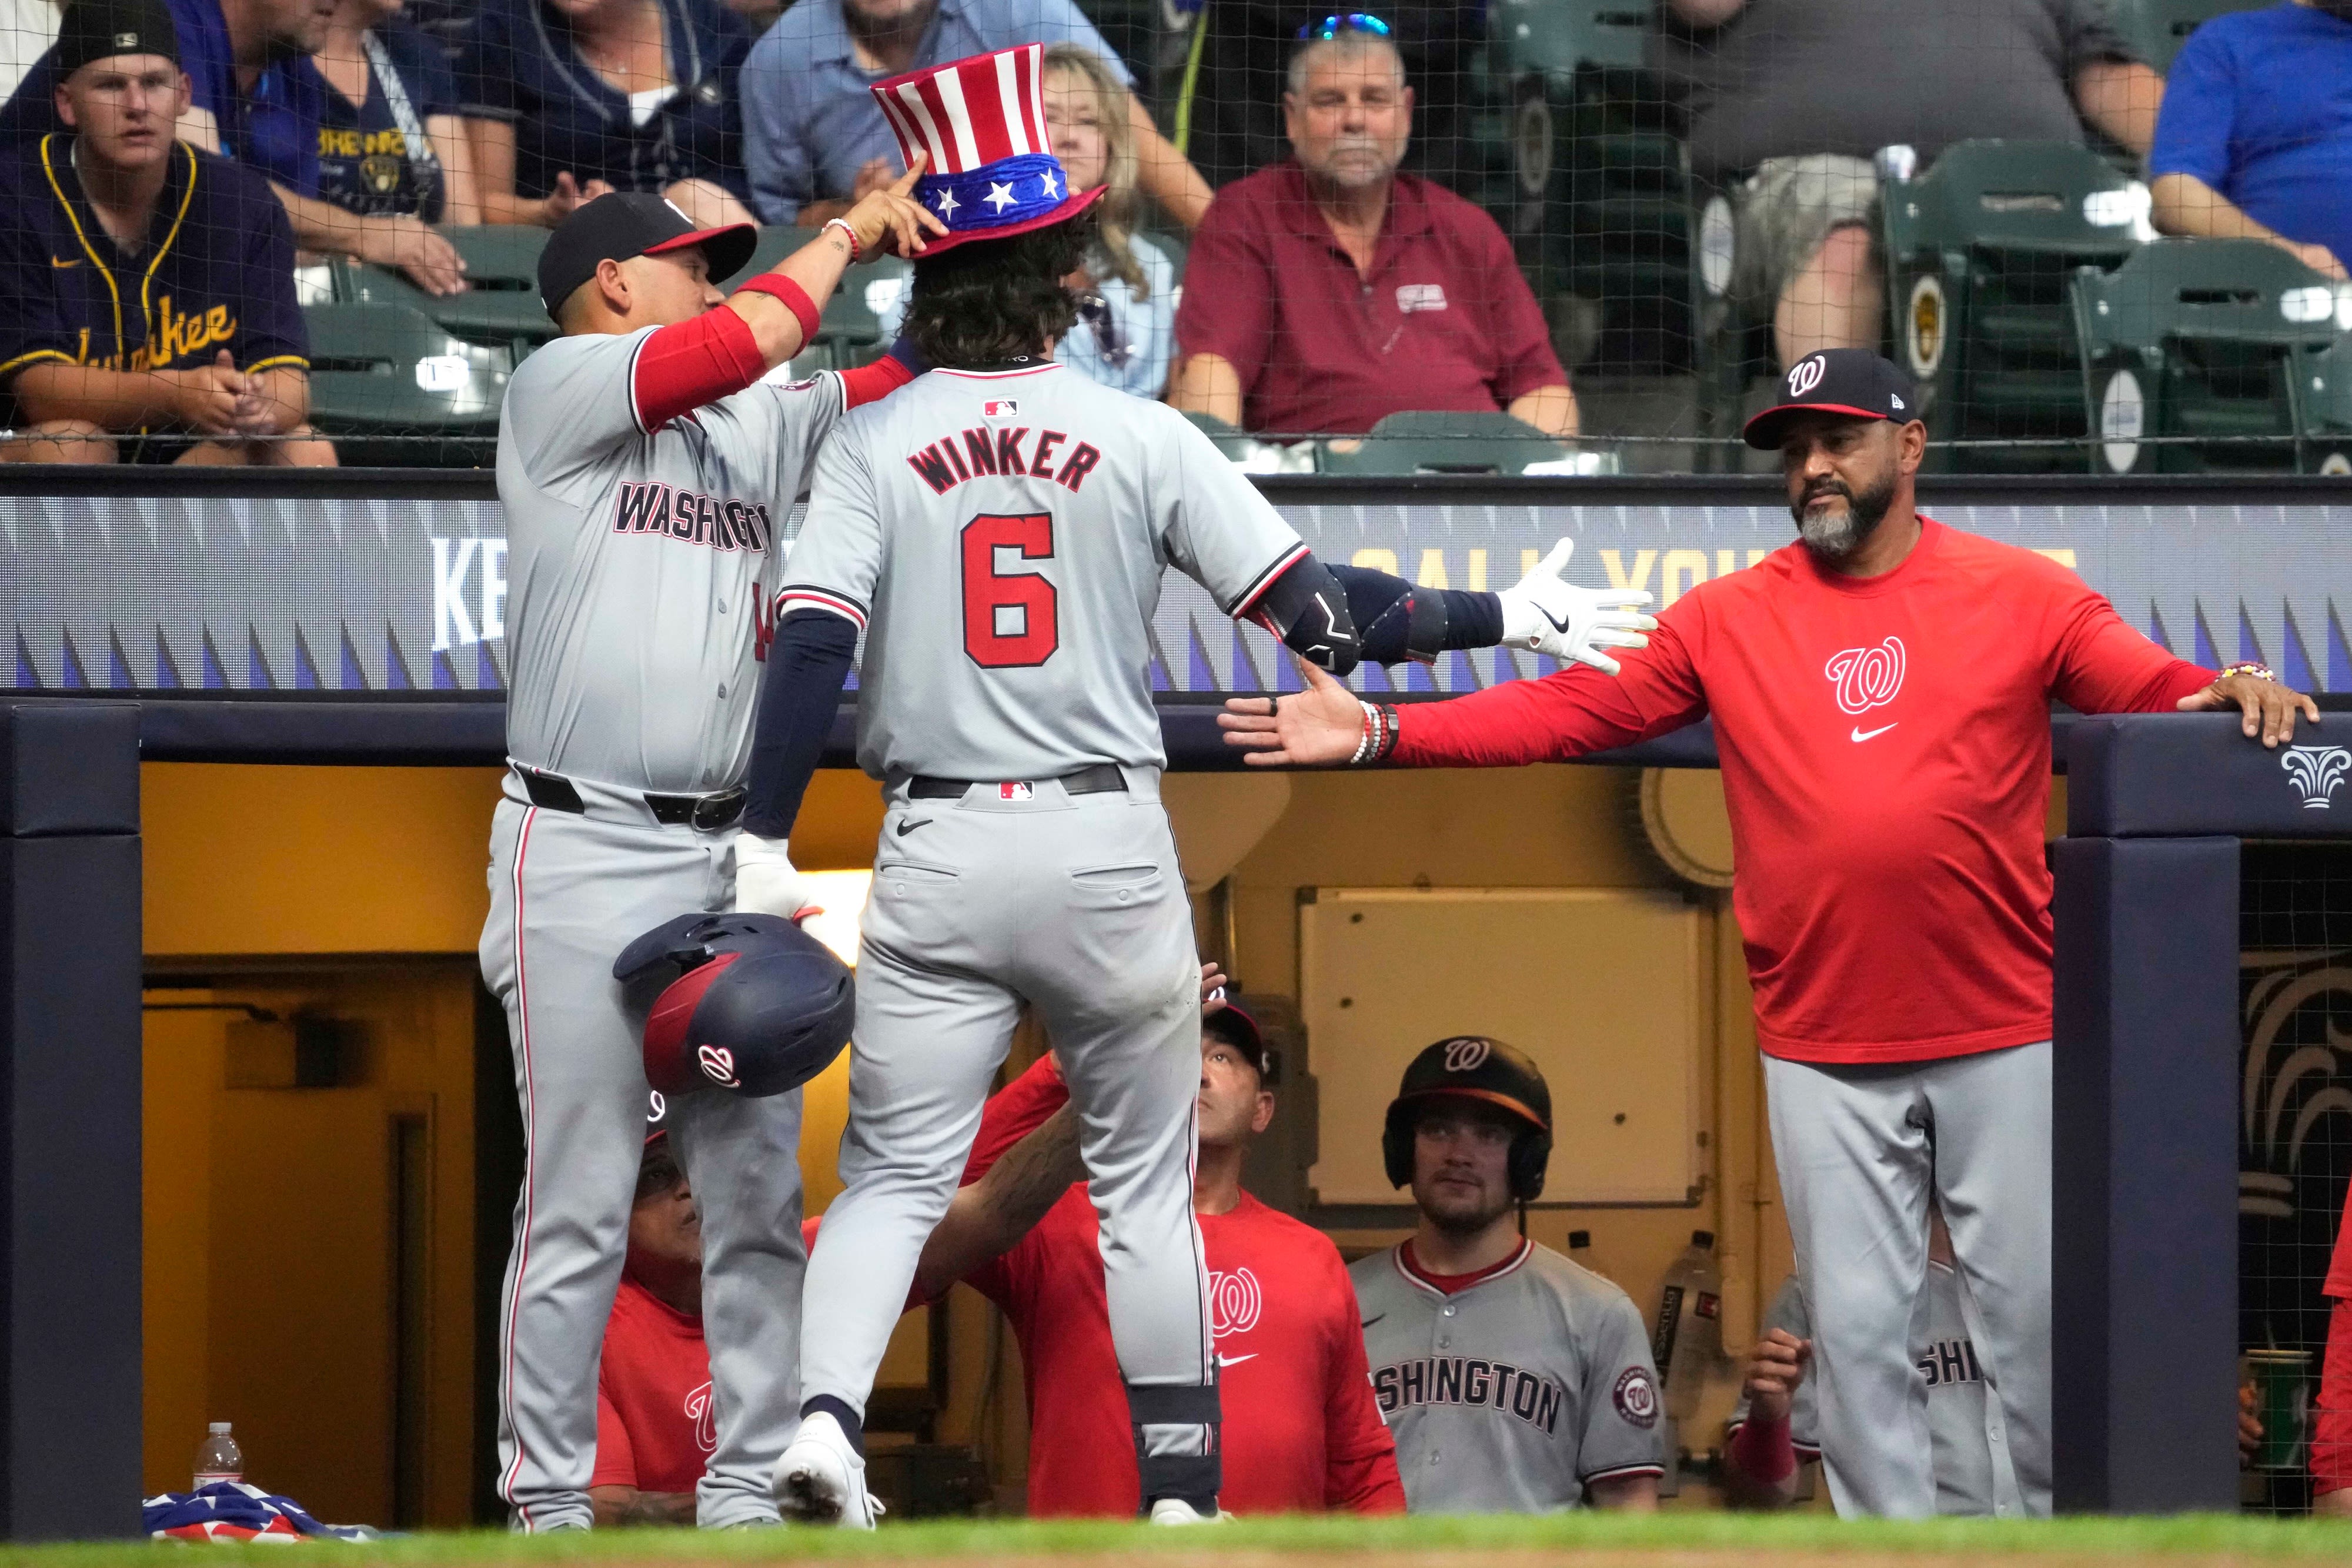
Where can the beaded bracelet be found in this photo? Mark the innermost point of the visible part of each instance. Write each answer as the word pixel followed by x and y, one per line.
pixel 1380 736
pixel 848 233
pixel 2260 672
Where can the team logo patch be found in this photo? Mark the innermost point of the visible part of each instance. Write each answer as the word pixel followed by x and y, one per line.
pixel 1925 325
pixel 1413 297
pixel 1866 678
pixel 703 1412
pixel 2317 770
pixel 1234 1302
pixel 717 1064
pixel 1636 1397
pixel 1014 792
pixel 1000 408
pixel 1806 374
pixel 1468 1054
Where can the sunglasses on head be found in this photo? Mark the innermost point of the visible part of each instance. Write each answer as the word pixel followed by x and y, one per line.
pixel 1348 22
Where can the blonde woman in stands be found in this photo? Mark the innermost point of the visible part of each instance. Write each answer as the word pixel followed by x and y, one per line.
pixel 1126 330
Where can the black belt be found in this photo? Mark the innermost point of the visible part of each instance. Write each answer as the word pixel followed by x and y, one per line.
pixel 1100 779
pixel 704 813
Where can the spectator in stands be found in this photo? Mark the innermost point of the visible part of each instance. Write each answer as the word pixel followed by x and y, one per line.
pixel 566 99
pixel 1329 291
pixel 2255 141
pixel 390 140
pixel 146 289
pixel 1302 1433
pixel 814 139
pixel 28 28
pixel 254 98
pixel 1790 99
pixel 1126 326
pixel 655 1424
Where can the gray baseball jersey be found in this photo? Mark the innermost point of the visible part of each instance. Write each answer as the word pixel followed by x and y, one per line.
pixel 634 565
pixel 636 618
pixel 1025 519
pixel 1973 1476
pixel 1510 1394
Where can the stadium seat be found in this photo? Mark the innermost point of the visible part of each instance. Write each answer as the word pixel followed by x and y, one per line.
pixel 2224 341
pixel 1231 439
pixel 1979 251
pixel 1442 443
pixel 1603 204
pixel 2156 28
pixel 393 388
pixel 2328 414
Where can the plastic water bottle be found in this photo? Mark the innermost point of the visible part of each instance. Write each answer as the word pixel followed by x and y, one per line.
pixel 218 1458
pixel 1690 1326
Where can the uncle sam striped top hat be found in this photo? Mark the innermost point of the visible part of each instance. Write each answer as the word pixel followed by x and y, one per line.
pixel 981 122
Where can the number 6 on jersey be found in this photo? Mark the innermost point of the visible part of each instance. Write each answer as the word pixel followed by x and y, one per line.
pixel 1009 617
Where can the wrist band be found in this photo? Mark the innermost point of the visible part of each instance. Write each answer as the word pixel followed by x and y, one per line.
pixel 848 233
pixel 1380 736
pixel 794 298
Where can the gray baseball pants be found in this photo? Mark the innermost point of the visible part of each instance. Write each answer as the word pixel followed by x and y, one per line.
pixel 1075 904
pixel 1860 1149
pixel 567 893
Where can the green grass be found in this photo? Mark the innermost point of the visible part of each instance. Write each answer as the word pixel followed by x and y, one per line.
pixel 2124 1540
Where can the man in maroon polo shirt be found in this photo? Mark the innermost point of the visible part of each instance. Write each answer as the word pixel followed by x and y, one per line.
pixel 1324 293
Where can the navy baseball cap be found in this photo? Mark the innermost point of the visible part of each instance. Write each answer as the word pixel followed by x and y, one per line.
pixel 1234 1025
pixel 1836 380
pixel 102 29
pixel 624 224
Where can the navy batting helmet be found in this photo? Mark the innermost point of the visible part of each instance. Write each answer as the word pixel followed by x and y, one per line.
pixel 1474 1067
pixel 751 1003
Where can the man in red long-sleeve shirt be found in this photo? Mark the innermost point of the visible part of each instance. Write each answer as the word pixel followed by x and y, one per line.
pixel 1303 1433
pixel 1880 694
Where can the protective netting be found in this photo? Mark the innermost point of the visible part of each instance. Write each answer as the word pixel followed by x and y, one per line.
pixel 1576 236
pixel 2296 1145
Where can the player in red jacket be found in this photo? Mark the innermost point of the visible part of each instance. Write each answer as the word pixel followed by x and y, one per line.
pixel 1302 1433
pixel 2331 1437
pixel 1881 693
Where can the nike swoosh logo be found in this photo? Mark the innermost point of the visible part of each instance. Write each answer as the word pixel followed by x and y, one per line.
pixel 1373 1319
pixel 906 828
pixel 1861 734
pixel 61 266
pixel 1236 1360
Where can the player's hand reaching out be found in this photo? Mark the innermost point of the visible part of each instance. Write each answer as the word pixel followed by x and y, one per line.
pixel 1318 728
pixel 2269 706
pixel 1774 1370
pixel 765 882
pixel 889 218
pixel 1550 615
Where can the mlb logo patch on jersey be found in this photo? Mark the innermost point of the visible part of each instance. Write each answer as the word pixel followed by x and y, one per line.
pixel 1014 791
pixel 1000 408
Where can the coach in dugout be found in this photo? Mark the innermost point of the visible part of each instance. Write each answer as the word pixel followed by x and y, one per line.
pixel 146 289
pixel 1516 1380
pixel 1881 692
pixel 1302 1434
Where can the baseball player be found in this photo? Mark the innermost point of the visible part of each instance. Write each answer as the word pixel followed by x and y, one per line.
pixel 1516 1381
pixel 1881 691
pixel 1000 536
pixel 644 472
pixel 1776 1424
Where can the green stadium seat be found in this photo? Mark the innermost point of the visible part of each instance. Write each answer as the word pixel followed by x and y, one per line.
pixel 1236 443
pixel 2216 340
pixel 393 388
pixel 2327 412
pixel 1981 250
pixel 1445 443
pixel 2156 28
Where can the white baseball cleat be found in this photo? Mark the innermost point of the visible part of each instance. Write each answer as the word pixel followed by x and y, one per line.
pixel 822 1481
pixel 1176 1510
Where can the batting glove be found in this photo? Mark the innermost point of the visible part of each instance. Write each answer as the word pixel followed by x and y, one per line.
pixel 765 882
pixel 1549 615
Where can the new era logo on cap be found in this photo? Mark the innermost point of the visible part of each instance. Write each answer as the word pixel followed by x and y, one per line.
pixel 126 41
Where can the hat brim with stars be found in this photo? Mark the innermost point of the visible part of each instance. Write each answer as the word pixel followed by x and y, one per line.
pixel 991 172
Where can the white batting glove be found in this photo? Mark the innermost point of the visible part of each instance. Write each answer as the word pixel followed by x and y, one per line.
pixel 765 882
pixel 1549 615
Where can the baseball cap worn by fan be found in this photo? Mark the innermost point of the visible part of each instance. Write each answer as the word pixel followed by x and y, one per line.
pixel 1234 1025
pixel 100 29
pixel 1836 380
pixel 626 223
pixel 981 122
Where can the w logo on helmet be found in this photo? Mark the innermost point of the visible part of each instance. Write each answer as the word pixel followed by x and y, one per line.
pixel 1806 374
pixel 717 1064
pixel 1867 677
pixel 1467 1054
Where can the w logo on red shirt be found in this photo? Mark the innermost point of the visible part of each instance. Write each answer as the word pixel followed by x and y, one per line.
pixel 1234 1302
pixel 1866 678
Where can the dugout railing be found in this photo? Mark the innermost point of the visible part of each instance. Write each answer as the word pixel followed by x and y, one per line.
pixel 2146 1337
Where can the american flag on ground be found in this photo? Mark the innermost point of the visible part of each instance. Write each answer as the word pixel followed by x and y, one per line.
pixel 231 1510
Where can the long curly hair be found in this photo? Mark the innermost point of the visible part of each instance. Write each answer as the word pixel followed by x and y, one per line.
pixel 990 302
pixel 1122 200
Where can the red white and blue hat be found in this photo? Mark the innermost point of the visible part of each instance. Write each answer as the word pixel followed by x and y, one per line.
pixel 981 122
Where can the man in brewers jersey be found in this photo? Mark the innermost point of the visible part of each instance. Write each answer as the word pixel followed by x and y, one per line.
pixel 1516 1381
pixel 1001 540
pixel 644 472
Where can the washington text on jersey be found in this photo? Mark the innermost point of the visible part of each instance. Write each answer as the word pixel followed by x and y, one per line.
pixel 1469 1380
pixel 644 506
